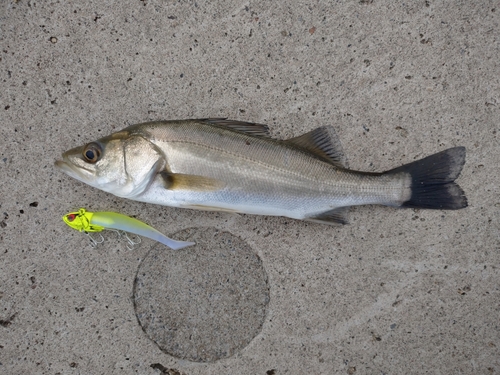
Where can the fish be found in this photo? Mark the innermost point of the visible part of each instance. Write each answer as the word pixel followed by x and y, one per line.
pixel 86 221
pixel 233 166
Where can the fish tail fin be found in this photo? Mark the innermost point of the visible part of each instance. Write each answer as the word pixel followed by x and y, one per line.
pixel 432 181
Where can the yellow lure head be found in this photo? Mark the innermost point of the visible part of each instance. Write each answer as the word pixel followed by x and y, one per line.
pixel 81 221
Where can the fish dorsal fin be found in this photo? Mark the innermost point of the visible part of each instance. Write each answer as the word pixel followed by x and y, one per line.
pixel 336 216
pixel 250 128
pixel 323 143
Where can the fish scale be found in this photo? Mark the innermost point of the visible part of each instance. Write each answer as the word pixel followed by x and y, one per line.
pixel 264 162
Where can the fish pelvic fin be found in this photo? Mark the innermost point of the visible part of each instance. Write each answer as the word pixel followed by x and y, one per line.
pixel 336 216
pixel 177 181
pixel 322 143
pixel 432 181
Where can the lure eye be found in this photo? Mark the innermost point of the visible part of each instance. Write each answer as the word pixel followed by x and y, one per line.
pixel 71 217
pixel 92 153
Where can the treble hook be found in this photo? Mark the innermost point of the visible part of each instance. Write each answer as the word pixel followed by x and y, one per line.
pixel 93 241
pixel 123 234
pixel 130 242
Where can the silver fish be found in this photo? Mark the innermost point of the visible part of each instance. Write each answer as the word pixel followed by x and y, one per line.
pixel 233 166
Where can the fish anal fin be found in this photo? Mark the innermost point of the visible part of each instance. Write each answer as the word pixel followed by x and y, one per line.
pixel 335 216
pixel 177 181
pixel 323 143
pixel 250 128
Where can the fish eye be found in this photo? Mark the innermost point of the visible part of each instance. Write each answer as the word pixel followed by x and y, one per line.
pixel 92 153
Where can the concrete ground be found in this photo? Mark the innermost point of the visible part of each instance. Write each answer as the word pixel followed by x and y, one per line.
pixel 395 292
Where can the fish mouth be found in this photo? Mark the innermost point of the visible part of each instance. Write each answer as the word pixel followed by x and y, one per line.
pixel 68 168
pixel 64 167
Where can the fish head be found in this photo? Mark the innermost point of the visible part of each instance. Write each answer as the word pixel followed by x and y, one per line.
pixel 123 164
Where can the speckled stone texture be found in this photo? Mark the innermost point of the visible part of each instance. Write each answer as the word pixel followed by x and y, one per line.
pixel 395 292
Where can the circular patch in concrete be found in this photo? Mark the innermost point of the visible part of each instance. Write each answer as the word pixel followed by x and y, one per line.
pixel 204 302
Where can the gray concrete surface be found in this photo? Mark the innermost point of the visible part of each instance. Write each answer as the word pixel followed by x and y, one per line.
pixel 394 292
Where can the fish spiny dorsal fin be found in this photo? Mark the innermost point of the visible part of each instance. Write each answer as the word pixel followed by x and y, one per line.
pixel 324 143
pixel 250 128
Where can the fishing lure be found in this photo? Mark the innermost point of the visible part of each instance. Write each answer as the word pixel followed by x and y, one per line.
pixel 88 222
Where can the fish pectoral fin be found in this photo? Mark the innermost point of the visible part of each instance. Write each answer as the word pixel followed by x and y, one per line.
pixel 250 128
pixel 177 181
pixel 323 143
pixel 335 216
